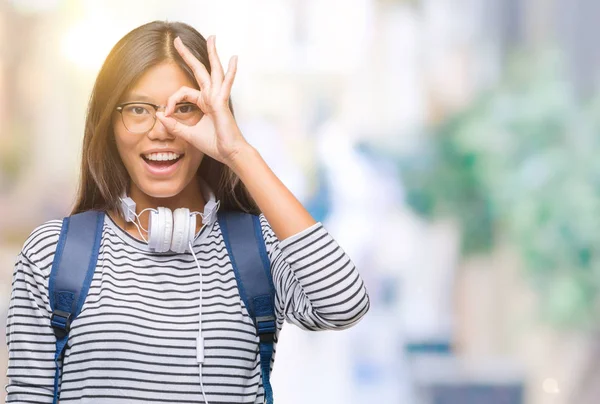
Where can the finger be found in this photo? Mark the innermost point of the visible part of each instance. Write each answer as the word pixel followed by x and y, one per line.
pixel 183 94
pixel 175 127
pixel 215 64
pixel 229 77
pixel 200 72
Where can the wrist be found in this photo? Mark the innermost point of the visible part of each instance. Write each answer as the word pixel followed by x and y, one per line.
pixel 242 158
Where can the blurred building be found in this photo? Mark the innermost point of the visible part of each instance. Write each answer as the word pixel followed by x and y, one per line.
pixel 330 92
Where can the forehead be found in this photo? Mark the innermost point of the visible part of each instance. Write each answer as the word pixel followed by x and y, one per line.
pixel 158 83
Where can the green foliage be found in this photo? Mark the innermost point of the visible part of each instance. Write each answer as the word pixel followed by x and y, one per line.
pixel 521 164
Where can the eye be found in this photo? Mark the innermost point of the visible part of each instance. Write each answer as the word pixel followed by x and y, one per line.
pixel 187 108
pixel 136 109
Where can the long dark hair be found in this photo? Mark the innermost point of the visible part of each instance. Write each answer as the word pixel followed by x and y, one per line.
pixel 103 175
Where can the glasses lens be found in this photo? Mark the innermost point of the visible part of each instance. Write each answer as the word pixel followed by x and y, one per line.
pixel 187 113
pixel 138 117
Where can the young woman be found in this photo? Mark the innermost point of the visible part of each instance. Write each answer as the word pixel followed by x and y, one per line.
pixel 160 130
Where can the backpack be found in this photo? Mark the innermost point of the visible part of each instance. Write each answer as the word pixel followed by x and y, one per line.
pixel 77 253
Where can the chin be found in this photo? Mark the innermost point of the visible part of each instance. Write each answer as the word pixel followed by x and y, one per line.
pixel 164 188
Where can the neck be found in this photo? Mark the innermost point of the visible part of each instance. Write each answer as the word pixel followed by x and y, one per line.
pixel 190 197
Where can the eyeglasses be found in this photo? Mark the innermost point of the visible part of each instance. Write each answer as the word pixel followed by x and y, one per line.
pixel 140 117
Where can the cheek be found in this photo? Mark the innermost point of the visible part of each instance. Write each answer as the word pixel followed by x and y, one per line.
pixel 195 158
pixel 125 146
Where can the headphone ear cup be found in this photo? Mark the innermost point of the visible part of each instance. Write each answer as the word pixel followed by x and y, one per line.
pixel 166 239
pixel 153 230
pixel 160 229
pixel 191 229
pixel 181 230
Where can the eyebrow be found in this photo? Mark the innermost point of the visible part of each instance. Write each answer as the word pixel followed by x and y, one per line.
pixel 137 97
pixel 140 97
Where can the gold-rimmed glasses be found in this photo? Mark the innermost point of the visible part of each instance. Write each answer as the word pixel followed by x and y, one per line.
pixel 140 117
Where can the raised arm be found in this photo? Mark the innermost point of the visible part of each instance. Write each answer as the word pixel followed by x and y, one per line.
pixel 317 285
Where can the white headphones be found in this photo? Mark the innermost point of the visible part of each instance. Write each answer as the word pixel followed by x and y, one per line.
pixel 175 232
pixel 169 231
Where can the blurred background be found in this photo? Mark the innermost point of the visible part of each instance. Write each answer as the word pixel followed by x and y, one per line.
pixel 448 146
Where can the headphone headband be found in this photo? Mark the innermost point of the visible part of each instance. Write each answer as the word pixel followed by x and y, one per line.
pixel 172 230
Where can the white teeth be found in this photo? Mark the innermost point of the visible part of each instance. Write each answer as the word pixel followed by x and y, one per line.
pixel 162 156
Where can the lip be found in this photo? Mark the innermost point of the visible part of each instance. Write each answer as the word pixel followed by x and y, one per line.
pixel 162 172
pixel 163 150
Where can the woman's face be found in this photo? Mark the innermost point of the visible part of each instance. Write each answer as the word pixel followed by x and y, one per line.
pixel 153 178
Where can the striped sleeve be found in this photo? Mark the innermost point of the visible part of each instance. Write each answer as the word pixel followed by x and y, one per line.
pixel 317 285
pixel 29 336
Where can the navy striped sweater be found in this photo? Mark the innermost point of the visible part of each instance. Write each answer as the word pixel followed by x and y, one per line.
pixel 135 339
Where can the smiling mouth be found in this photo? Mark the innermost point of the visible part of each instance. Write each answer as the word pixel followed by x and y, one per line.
pixel 161 163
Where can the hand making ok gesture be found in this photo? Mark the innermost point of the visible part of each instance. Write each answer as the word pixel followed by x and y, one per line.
pixel 217 133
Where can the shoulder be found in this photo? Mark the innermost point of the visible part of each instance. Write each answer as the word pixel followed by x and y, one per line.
pixel 40 245
pixel 315 233
pixel 267 232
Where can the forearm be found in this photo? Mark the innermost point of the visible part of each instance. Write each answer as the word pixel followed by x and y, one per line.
pixel 282 209
pixel 318 287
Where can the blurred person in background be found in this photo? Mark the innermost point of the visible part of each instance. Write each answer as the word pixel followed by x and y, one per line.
pixel 165 325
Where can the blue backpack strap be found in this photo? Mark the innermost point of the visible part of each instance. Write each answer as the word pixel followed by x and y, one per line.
pixel 71 274
pixel 246 247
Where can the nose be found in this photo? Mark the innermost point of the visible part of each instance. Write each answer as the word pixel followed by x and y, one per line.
pixel 159 131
